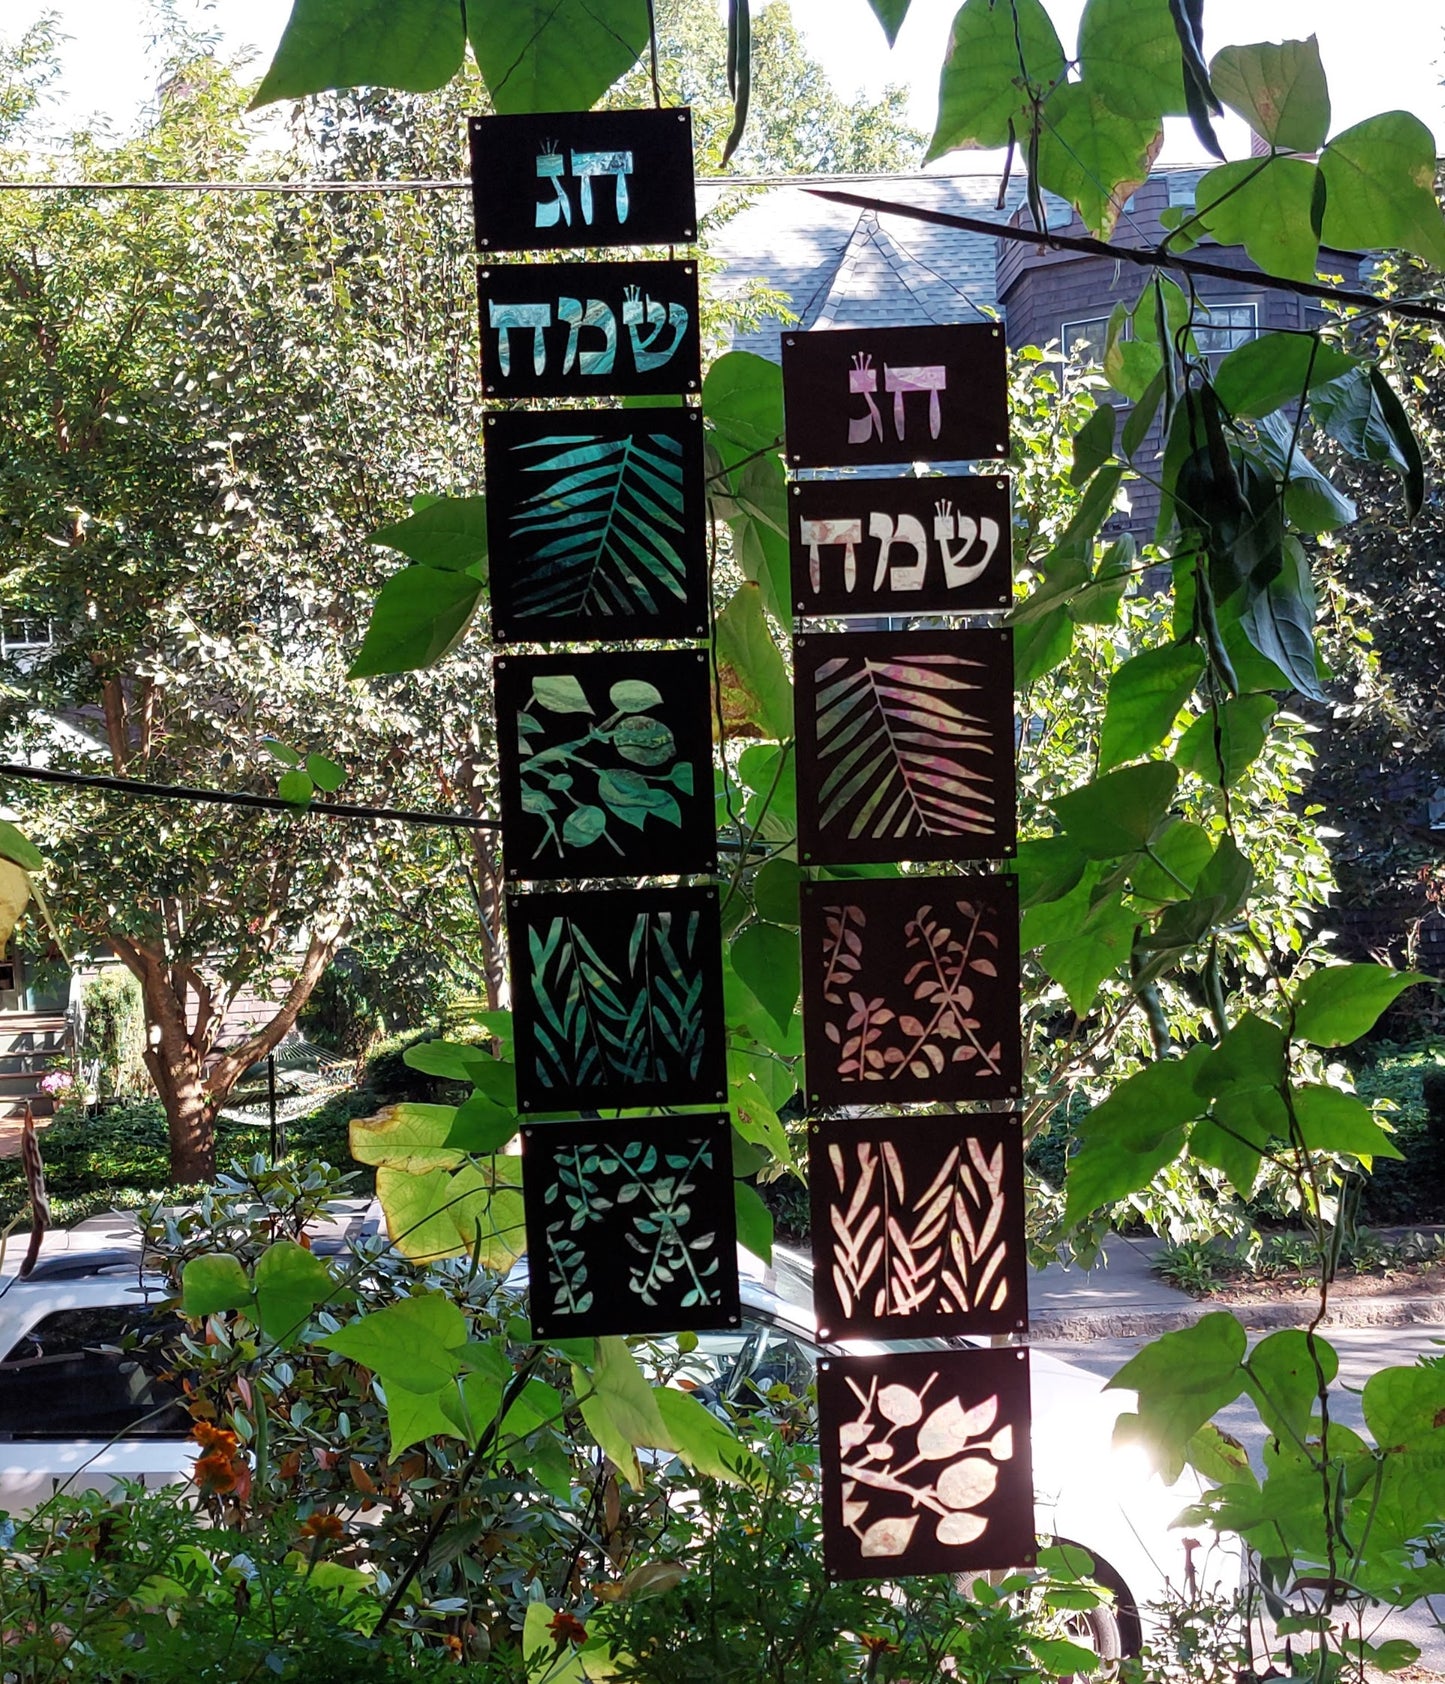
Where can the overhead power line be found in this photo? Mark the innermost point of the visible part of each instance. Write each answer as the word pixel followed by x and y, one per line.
pixel 242 798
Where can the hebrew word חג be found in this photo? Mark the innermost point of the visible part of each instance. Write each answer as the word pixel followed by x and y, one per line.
pixel 646 322
pixel 863 382
pixel 587 167
pixel 955 535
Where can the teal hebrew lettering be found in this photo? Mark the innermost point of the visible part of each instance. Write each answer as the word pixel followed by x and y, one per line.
pixel 552 166
pixel 596 315
pixel 590 166
pixel 505 317
pixel 636 311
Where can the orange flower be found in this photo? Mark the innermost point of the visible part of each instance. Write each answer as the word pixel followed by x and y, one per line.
pixel 453 1646
pixel 566 1628
pixel 215 1440
pixel 214 1473
pixel 878 1645
pixel 323 1526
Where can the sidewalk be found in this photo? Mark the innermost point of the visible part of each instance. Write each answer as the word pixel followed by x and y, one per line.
pixel 1122 1299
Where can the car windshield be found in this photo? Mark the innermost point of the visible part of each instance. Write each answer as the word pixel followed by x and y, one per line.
pixel 92 1373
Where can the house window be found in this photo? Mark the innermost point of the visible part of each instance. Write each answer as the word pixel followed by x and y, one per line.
pixel 1086 339
pixel 1221 327
pixel 23 632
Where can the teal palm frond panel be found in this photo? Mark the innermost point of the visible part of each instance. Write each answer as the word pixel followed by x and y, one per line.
pixel 596 522
pixel 617 998
pixel 603 537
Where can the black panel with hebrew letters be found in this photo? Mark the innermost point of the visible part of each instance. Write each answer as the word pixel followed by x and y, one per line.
pixel 856 396
pixel 589 330
pixel 630 1226
pixel 583 179
pixel 926 1463
pixel 900 546
pixel 596 524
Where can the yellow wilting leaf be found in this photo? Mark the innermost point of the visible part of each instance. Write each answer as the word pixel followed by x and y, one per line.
pixel 14 896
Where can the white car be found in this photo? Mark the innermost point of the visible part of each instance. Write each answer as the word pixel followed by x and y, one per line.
pixel 78 1407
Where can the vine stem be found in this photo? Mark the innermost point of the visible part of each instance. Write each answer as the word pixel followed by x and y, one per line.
pixel 514 1388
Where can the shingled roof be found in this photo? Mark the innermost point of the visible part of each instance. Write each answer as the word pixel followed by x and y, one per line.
pixel 845 267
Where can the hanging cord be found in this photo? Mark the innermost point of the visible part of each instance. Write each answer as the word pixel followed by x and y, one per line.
pixel 652 43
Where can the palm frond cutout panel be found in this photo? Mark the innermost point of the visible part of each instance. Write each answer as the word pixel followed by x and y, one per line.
pixel 905 746
pixel 605 764
pixel 926 1463
pixel 918 1226
pixel 630 1226
pixel 911 990
pixel 597 524
pixel 617 998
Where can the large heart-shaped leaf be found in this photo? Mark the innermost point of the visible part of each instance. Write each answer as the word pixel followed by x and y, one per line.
pixel 554 55
pixel 412 44
pixel 1279 88
pixel 1380 181
pixel 999 58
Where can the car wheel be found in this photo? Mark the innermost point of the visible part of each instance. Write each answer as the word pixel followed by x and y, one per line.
pixel 1098 1629
pixel 1112 1630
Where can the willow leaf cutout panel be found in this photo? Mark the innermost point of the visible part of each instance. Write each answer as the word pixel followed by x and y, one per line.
pixel 926 1463
pixel 605 764
pixel 596 524
pixel 589 330
pixel 918 1226
pixel 617 998
pixel 911 990
pixel 855 396
pixel 630 1226
pixel 583 178
pixel 900 546
pixel 905 746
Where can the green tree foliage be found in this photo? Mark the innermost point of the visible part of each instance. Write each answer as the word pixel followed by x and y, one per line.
pixel 1383 740
pixel 194 443
pixel 798 124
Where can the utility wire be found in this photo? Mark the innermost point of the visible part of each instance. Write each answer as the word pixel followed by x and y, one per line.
pixel 241 798
pixel 274 803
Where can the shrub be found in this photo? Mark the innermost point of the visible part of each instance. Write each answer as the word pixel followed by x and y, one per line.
pixel 1412 1080
pixel 114 1033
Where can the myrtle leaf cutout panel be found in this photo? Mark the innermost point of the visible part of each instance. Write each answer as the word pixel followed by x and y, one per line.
pixel 911 990
pixel 617 998
pixel 926 1462
pixel 597 525
pixel 605 764
pixel 905 746
pixel 918 1226
pixel 630 1226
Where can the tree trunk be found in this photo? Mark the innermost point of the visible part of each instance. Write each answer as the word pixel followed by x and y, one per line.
pixel 190 1115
